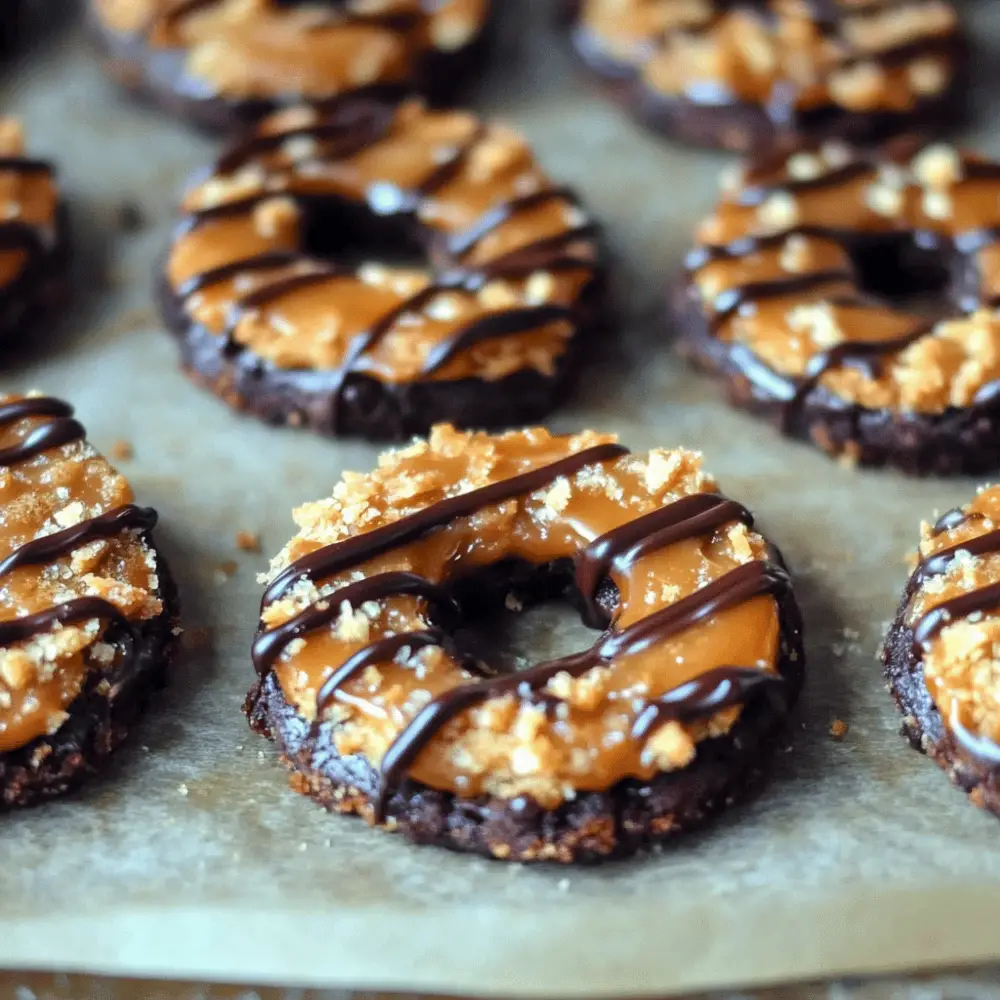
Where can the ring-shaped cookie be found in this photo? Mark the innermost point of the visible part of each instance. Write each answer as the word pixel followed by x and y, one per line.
pixel 225 63
pixel 665 719
pixel 744 74
pixel 276 314
pixel 777 298
pixel 940 654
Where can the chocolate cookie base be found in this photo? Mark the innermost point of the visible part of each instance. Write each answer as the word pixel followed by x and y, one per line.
pixel 922 722
pixel 954 442
pixel 99 719
pixel 379 411
pixel 158 77
pixel 594 826
pixel 742 127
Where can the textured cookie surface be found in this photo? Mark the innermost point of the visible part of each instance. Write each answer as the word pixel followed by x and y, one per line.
pixel 942 654
pixel 380 710
pixel 748 73
pixel 223 63
pixel 284 286
pixel 87 608
pixel 800 295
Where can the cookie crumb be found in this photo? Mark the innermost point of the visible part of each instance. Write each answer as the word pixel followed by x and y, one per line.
pixel 839 729
pixel 248 541
pixel 122 450
pixel 225 569
pixel 196 639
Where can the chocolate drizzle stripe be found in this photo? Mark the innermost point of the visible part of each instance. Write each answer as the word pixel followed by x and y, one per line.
pixel 63 429
pixel 982 599
pixel 25 165
pixel 460 244
pixel 728 302
pixel 756 193
pixel 61 543
pixel 378 652
pixel 351 134
pixel 261 262
pixel 492 326
pixel 619 548
pixel 268 646
pixel 339 556
pixel 720 688
pixel 73 612
pixel 937 564
pixel 948 520
pixel 274 290
pixel 739 585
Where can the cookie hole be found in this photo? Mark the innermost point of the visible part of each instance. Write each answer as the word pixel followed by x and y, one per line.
pixel 511 641
pixel 519 618
pixel 347 234
pixel 906 275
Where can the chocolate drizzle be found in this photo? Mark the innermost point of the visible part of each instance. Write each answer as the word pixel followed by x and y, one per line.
pixel 60 543
pixel 687 518
pixel 61 429
pixel 344 133
pixel 342 555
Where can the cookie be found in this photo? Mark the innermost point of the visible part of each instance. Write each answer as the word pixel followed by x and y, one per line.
pixel 34 281
pixel 801 291
pixel 222 64
pixel 380 708
pixel 285 287
pixel 87 606
pixel 940 654
pixel 746 74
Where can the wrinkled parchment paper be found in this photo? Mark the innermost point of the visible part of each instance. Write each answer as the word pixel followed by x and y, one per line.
pixel 192 859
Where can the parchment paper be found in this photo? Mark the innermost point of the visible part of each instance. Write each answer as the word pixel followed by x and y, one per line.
pixel 192 859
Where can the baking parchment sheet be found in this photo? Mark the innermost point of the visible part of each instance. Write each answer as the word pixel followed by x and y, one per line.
pixel 192 859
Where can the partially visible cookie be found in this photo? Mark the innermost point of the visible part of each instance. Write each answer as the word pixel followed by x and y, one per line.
pixel 668 717
pixel 87 606
pixel 746 74
pixel 942 653
pixel 224 63
pixel 803 296
pixel 34 258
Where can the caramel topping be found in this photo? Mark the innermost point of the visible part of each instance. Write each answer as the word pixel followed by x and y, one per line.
pixel 245 49
pixel 513 253
pixel 788 56
pixel 74 563
pixel 954 611
pixel 775 275
pixel 357 620
pixel 28 204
